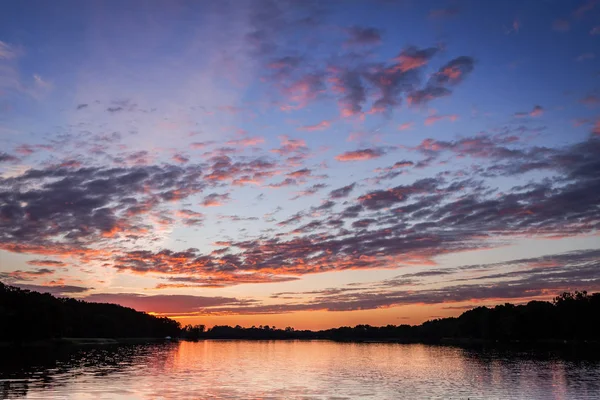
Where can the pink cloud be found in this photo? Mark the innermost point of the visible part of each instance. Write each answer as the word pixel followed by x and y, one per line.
pixel 360 155
pixel 535 112
pixel 316 127
pixel 189 214
pixel 305 90
pixel 289 146
pixel 405 126
pixel 410 61
pixel 200 145
pixel 436 118
pixel 25 150
pixel 246 142
pixel 180 158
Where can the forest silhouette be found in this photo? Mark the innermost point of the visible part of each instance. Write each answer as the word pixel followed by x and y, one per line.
pixel 27 316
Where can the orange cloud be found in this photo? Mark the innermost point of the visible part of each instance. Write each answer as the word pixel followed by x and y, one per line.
pixel 360 155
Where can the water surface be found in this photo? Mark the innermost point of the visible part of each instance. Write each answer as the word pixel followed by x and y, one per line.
pixel 295 370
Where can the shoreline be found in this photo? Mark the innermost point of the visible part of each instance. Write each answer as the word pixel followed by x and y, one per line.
pixel 58 342
pixel 461 342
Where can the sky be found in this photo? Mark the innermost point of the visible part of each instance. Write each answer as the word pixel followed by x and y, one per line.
pixel 300 163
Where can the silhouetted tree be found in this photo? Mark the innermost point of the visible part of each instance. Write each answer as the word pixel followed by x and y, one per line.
pixel 28 315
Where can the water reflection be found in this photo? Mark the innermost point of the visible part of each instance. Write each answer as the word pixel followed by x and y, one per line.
pixel 49 369
pixel 306 370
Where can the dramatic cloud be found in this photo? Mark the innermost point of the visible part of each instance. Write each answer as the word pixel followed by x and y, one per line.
pixel 226 161
pixel 539 278
pixel 88 204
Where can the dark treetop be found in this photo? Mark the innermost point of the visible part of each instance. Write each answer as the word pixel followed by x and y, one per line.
pixel 27 315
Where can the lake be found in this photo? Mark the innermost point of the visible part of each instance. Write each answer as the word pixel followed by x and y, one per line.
pixel 294 370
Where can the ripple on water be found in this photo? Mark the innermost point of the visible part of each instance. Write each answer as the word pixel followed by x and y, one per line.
pixel 294 370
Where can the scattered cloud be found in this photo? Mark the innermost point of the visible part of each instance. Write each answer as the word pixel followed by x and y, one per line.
pixel 361 155
pixel 215 199
pixel 342 192
pixel 316 127
pixel 405 126
pixel 535 112
pixel 432 119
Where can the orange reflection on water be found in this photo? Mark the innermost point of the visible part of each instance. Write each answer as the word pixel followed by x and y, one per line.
pixel 304 369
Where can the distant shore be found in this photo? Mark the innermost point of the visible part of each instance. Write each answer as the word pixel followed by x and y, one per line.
pixel 461 342
pixel 32 319
pixel 82 342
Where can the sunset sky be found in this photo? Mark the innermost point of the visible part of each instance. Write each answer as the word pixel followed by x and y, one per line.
pixel 300 163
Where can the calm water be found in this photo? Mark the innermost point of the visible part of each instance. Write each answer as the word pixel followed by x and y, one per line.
pixel 294 370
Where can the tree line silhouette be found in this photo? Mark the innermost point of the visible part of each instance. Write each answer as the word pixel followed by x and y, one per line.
pixel 28 315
